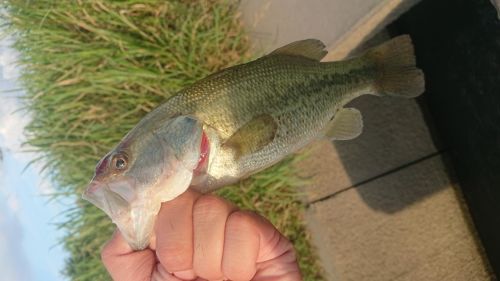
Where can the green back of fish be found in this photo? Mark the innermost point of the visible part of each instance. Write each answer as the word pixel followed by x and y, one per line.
pixel 268 108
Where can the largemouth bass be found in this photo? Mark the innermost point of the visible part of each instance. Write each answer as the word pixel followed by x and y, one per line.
pixel 239 121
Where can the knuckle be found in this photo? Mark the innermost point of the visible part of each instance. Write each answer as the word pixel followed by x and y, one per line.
pixel 240 220
pixel 208 204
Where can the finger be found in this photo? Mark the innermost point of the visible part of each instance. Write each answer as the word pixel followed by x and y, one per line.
pixel 161 274
pixel 255 250
pixel 209 220
pixel 276 259
pixel 241 246
pixel 125 264
pixel 185 274
pixel 174 233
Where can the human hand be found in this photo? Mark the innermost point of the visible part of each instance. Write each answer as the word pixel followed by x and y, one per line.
pixel 203 237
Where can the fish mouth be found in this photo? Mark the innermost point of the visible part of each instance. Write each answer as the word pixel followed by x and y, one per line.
pixel 134 218
pixel 102 196
pixel 133 206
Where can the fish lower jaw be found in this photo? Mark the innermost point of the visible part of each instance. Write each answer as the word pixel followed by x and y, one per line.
pixel 137 226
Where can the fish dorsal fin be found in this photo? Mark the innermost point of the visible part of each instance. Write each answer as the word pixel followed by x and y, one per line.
pixel 347 124
pixel 309 48
pixel 253 136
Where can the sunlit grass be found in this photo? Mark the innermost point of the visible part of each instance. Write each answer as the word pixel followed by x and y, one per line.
pixel 92 69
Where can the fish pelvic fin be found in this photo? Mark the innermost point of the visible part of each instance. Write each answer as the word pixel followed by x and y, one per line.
pixel 397 73
pixel 309 48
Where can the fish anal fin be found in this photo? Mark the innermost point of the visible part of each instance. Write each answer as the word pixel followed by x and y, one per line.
pixel 309 48
pixel 347 124
pixel 253 136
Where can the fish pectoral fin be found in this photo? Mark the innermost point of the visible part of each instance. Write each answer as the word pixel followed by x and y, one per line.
pixel 253 136
pixel 310 48
pixel 347 124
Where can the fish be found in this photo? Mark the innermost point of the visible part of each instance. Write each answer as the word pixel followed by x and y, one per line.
pixel 241 120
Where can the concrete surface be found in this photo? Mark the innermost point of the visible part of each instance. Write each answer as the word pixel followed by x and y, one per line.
pixel 427 240
pixel 382 207
pixel 272 24
pixel 340 23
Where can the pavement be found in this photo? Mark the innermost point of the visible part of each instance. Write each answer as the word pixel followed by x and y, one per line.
pixel 384 206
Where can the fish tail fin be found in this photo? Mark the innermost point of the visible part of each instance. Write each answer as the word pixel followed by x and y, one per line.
pixel 398 74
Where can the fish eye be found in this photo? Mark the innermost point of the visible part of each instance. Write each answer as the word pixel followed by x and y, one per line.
pixel 120 161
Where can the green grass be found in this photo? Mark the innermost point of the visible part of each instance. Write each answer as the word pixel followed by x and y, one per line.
pixel 92 69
